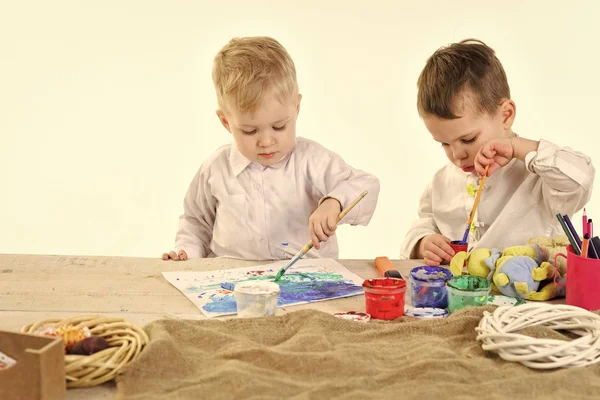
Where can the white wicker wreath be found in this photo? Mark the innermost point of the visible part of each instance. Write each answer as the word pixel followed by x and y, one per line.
pixel 497 332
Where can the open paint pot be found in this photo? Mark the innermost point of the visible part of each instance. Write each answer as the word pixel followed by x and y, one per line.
pixel 458 246
pixel 428 286
pixel 467 291
pixel 353 316
pixel 384 297
pixel 256 298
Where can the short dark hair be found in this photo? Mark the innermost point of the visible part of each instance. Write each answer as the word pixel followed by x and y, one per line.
pixel 466 67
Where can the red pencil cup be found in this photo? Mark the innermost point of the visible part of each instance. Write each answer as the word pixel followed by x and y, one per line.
pixel 458 246
pixel 384 297
pixel 583 280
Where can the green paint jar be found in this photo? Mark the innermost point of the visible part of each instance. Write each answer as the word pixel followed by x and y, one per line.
pixel 467 291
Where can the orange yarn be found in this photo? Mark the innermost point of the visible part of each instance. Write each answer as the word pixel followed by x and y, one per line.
pixel 70 335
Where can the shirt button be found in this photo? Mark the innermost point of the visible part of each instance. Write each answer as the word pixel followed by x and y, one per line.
pixel 256 186
pixel 262 240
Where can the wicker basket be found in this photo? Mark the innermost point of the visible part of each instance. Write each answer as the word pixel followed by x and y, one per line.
pixel 125 342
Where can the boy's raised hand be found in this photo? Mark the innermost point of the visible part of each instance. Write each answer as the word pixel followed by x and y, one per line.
pixel 496 153
pixel 435 249
pixel 182 256
pixel 323 222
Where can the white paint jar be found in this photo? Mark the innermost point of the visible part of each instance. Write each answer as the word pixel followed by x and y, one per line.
pixel 256 298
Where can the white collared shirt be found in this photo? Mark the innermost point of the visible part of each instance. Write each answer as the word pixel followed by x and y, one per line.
pixel 518 202
pixel 240 209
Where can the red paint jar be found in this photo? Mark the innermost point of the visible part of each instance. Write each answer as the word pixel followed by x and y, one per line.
pixel 458 246
pixel 384 297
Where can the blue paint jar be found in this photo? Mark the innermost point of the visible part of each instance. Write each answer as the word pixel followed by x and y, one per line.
pixel 428 286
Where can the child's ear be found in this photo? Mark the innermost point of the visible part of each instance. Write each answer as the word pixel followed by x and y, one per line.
pixel 509 112
pixel 298 104
pixel 223 119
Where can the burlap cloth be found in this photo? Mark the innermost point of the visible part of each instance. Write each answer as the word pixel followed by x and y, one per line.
pixel 312 355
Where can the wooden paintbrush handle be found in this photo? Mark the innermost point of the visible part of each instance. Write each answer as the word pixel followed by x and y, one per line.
pixel 351 206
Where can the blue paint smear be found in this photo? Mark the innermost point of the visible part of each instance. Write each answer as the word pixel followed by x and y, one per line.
pixel 315 291
pixel 225 304
pixel 296 288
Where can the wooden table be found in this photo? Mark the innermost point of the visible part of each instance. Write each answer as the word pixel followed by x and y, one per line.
pixel 34 288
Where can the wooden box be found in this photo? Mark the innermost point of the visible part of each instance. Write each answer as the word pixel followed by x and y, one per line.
pixel 39 373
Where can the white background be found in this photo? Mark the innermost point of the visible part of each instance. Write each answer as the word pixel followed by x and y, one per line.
pixel 107 108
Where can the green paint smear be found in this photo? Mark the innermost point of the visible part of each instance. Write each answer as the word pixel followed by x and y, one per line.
pixel 469 283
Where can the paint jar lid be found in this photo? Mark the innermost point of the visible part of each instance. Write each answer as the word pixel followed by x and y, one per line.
pixel 500 300
pixel 427 312
pixel 266 288
pixel 427 274
pixel 353 316
pixel 469 283
pixel 384 284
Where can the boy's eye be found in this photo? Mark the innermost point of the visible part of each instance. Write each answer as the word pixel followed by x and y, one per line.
pixel 249 132
pixel 469 140
pixel 279 128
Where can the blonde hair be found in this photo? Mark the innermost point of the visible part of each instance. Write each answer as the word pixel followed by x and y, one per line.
pixel 469 67
pixel 247 69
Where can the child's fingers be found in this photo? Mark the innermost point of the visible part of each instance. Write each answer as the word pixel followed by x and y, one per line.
pixel 437 254
pixel 480 169
pixel 431 259
pixel 488 152
pixel 165 256
pixel 313 236
pixel 448 251
pixel 182 255
pixel 329 226
pixel 484 161
pixel 173 255
pixel 319 232
pixel 441 249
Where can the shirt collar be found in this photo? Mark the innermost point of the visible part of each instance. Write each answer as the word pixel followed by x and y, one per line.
pixel 238 162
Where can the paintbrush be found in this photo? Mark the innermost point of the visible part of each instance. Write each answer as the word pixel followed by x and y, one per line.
pixel 309 245
pixel 470 221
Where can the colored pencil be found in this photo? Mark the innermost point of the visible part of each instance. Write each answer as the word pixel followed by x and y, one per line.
pixel 309 245
pixel 584 245
pixel 574 245
pixel 592 251
pixel 595 241
pixel 590 228
pixel 470 221
pixel 572 229
pixel 584 222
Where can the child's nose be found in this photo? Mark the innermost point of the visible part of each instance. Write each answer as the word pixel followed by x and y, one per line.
pixel 459 153
pixel 266 140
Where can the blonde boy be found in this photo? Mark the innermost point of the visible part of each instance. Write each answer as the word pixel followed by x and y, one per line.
pixel 267 194
pixel 464 100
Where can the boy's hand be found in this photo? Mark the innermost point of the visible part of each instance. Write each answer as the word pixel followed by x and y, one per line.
pixel 496 153
pixel 435 250
pixel 182 256
pixel 323 222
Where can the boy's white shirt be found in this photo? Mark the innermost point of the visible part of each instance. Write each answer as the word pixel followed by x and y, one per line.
pixel 518 202
pixel 240 209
